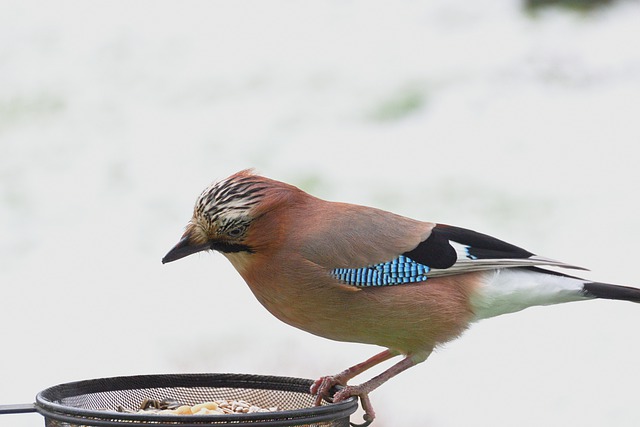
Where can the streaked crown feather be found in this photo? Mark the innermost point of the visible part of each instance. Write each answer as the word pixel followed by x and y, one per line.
pixel 231 197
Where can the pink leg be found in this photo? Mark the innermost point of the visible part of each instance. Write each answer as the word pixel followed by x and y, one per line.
pixel 322 385
pixel 363 390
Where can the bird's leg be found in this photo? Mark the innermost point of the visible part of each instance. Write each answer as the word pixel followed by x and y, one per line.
pixel 322 385
pixel 363 390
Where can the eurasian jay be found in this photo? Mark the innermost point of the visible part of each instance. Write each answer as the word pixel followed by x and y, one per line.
pixel 360 274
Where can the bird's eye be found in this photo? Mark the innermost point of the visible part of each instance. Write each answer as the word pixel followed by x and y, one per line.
pixel 235 232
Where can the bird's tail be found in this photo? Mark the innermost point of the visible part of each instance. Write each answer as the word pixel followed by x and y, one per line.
pixel 513 289
pixel 607 291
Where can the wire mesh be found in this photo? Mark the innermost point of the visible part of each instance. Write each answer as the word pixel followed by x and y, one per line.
pixel 96 402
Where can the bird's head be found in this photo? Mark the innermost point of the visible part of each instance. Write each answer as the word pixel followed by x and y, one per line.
pixel 224 214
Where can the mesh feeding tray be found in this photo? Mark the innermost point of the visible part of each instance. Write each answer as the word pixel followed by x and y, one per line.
pixel 96 402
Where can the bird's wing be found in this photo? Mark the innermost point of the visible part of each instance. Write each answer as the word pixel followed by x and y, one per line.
pixel 453 250
pixel 447 251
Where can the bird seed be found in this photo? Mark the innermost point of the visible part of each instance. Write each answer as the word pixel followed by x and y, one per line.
pixel 216 407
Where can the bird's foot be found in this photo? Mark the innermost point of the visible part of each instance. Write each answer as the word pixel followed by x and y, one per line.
pixel 321 387
pixel 363 393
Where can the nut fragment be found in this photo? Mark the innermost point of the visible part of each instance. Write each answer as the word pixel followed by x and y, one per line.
pixel 183 410
pixel 216 407
pixel 206 405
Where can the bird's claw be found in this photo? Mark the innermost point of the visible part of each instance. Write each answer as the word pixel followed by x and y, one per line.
pixel 363 394
pixel 321 387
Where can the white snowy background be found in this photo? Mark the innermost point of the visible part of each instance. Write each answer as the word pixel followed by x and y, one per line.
pixel 115 115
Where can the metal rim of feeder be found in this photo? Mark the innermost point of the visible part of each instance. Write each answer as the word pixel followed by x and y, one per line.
pixel 48 401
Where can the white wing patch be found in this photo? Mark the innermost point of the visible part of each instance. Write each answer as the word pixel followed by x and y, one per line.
pixel 467 263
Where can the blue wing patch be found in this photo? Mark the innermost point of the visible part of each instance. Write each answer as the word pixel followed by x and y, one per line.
pixel 467 252
pixel 396 272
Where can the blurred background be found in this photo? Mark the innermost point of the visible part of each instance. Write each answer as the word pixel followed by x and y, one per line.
pixel 517 119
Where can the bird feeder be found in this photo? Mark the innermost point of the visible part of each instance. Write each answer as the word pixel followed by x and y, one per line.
pixel 115 402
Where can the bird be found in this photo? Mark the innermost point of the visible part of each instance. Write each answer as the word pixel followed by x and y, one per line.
pixel 360 274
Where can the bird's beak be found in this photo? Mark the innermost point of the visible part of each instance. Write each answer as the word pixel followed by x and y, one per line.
pixel 184 248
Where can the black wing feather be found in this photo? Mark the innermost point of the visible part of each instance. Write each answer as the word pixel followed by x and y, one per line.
pixel 437 252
